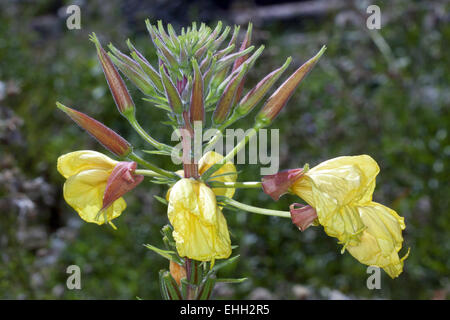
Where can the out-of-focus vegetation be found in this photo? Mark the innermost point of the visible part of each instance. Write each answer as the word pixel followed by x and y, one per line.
pixel 381 93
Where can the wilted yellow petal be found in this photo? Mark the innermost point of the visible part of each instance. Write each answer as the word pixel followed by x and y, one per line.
pixel 200 229
pixel 74 162
pixel 84 192
pixel 381 240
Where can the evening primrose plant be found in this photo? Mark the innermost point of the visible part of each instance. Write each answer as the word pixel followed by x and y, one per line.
pixel 199 82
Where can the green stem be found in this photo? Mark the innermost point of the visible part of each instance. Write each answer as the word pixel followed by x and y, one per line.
pixel 248 208
pixel 136 126
pixel 147 173
pixel 246 184
pixel 151 166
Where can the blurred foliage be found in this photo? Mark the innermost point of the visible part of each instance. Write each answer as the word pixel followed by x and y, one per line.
pixel 391 102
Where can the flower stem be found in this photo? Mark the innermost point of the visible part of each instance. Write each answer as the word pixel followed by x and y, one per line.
pixel 246 184
pixel 151 166
pixel 248 208
pixel 137 127
pixel 147 173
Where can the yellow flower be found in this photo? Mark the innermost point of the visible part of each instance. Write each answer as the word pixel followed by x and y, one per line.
pixel 200 229
pixel 227 173
pixel 380 242
pixel 335 188
pixel 87 174
pixel 340 190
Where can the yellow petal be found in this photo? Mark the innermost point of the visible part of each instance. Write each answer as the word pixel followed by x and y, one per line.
pixel 227 173
pixel 200 229
pixel 84 192
pixel 74 162
pixel 381 241
pixel 334 188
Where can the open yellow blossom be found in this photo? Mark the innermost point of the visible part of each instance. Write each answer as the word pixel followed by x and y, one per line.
pixel 334 189
pixel 200 229
pixel 340 190
pixel 87 174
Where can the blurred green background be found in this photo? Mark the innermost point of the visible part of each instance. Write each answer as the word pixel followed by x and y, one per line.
pixel 383 93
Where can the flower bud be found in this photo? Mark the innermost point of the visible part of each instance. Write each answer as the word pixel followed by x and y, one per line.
pixel 225 103
pixel 302 217
pixel 146 67
pixel 281 96
pixel 220 39
pixel 277 184
pixel 252 98
pixel 197 110
pixel 250 62
pixel 178 272
pixel 118 89
pixel 245 44
pixel 229 59
pixel 120 181
pixel 171 92
pixel 107 137
pixel 135 74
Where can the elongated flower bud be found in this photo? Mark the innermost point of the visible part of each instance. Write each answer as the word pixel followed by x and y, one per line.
pixel 171 92
pixel 107 137
pixel 245 44
pixel 250 61
pixel 135 74
pixel 281 96
pixel 234 36
pixel 121 180
pixel 220 39
pixel 146 67
pixel 228 60
pixel 255 95
pixel 118 89
pixel 275 185
pixel 226 101
pixel 197 109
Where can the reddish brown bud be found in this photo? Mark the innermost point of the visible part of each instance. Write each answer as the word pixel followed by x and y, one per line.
pixel 107 137
pixel 197 110
pixel 120 181
pixel 118 89
pixel 172 94
pixel 302 217
pixel 245 44
pixel 178 272
pixel 252 98
pixel 281 96
pixel 277 184
pixel 226 101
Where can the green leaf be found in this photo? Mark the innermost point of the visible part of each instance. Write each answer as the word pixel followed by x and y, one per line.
pixel 168 254
pixel 160 199
pixel 231 280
